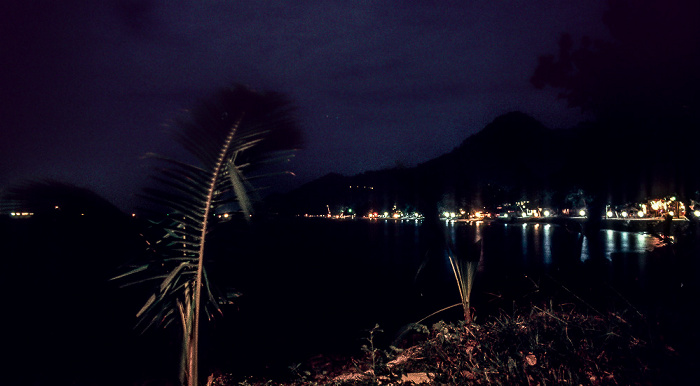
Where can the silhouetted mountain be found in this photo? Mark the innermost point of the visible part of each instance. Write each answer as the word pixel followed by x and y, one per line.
pixel 511 153
pixel 514 152
pixel 513 158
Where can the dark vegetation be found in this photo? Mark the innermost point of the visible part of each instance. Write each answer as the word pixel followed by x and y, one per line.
pixel 538 345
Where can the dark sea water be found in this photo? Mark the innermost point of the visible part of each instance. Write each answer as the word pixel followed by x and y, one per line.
pixel 313 286
pixel 310 287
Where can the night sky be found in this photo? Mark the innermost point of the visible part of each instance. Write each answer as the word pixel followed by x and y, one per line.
pixel 89 87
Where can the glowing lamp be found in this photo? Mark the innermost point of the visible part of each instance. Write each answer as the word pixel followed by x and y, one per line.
pixel 582 212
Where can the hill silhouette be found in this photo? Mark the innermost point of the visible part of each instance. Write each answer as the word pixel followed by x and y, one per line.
pixel 513 158
pixel 512 153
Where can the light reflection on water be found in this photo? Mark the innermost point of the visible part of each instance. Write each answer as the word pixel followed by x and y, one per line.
pixel 615 242
pixel 537 247
pixel 524 236
pixel 542 236
pixel 512 251
pixel 585 248
pixel 548 243
pixel 534 243
pixel 349 275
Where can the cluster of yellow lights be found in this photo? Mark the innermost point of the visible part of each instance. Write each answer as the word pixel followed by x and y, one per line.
pixel 21 214
pixel 654 208
pixel 395 215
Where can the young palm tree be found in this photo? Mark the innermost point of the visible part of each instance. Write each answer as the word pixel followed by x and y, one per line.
pixel 231 135
pixel 464 259
pixel 464 271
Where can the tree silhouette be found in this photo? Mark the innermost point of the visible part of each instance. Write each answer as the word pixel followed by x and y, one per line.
pixel 641 86
pixel 650 66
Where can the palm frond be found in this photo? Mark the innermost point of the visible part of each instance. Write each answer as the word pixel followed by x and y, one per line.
pixel 238 182
pixel 229 134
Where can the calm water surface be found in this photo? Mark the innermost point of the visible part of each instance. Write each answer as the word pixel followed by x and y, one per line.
pixel 314 285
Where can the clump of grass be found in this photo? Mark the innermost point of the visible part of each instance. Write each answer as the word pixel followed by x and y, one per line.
pixel 464 272
pixel 464 264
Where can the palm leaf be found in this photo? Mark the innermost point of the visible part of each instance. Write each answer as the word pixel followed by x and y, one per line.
pixel 235 175
pixel 229 134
